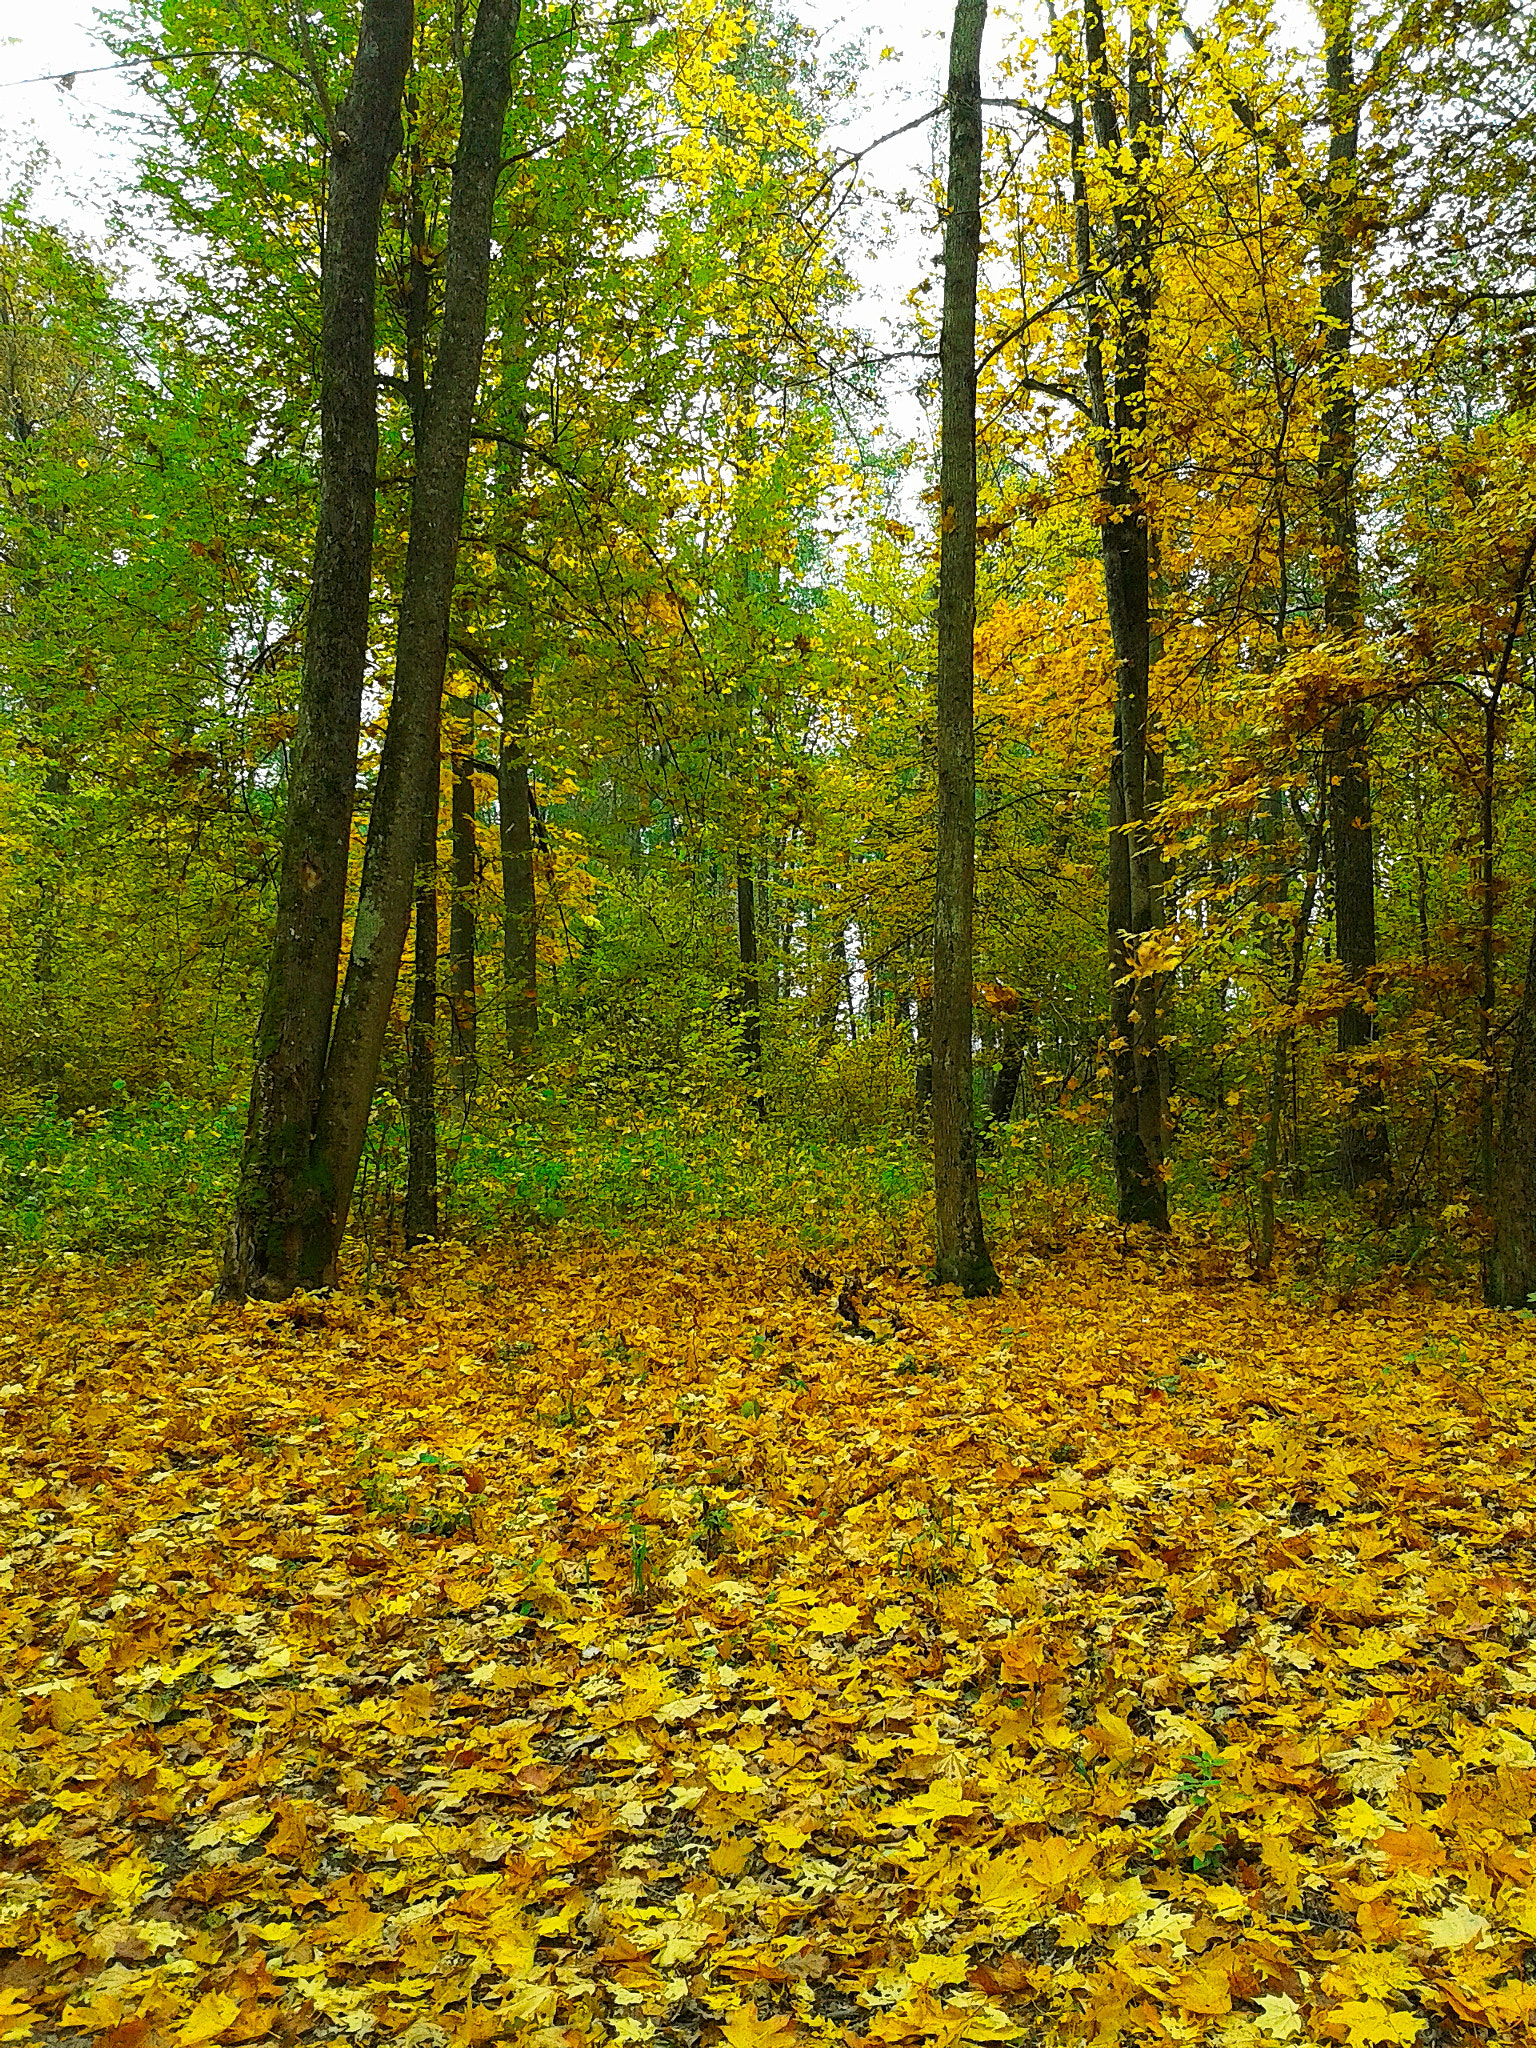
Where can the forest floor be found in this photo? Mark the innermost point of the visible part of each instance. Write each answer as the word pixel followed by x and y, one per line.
pixel 620 1645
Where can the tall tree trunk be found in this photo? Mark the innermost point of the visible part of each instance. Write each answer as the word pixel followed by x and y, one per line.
pixel 421 649
pixel 1363 1152
pixel 962 1255
pixel 278 1202
pixel 463 921
pixel 421 1217
pixel 421 1212
pixel 1118 388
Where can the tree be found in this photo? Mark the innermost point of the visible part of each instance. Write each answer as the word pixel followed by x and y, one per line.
pixel 1116 365
pixel 1364 1154
pixel 408 766
pixel 279 1202
pixel 962 1257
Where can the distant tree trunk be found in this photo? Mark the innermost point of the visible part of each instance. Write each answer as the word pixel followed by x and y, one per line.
pixel 922 1073
pixel 1010 1064
pixel 1363 1150
pixel 749 987
pixel 1282 1070
pixel 421 1217
pixel 514 684
pixel 462 914
pixel 960 1240
pixel 421 651
pixel 1509 1279
pixel 1118 388
pixel 519 909
pixel 279 1203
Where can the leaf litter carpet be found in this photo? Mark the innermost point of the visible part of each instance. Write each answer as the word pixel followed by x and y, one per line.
pixel 654 1646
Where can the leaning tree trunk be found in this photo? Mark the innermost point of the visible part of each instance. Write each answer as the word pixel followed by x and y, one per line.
pixel 277 1202
pixel 1118 386
pixel 962 1255
pixel 421 647
pixel 1363 1152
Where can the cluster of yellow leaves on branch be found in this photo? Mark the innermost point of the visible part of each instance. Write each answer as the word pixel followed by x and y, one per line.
pixel 643 1645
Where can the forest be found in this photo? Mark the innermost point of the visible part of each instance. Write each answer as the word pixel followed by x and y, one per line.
pixel 768 1032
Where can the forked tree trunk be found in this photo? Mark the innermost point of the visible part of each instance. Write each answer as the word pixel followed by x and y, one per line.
pixel 421 648
pixel 962 1257
pixel 279 1202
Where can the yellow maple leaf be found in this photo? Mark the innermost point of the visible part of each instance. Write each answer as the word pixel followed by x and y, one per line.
pixel 214 2014
pixel 16 2016
pixel 743 2029
pixel 834 1620
pixel 1368 2024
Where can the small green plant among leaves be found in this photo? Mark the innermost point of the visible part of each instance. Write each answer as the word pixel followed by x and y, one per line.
pixel 435 1506
pixel 712 1529
pixel 642 1560
pixel 1199 1778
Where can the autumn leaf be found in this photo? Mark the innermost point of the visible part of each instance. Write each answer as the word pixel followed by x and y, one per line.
pixel 212 2016
pixel 743 2029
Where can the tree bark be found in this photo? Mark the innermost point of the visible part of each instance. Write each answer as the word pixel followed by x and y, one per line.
pixel 421 1208
pixel 1117 380
pixel 421 650
pixel 961 1246
pixel 279 1202
pixel 463 922
pixel 1363 1152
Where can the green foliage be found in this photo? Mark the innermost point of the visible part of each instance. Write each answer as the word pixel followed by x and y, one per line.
pixel 143 1177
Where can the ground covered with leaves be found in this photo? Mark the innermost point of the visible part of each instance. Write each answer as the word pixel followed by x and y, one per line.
pixel 663 1646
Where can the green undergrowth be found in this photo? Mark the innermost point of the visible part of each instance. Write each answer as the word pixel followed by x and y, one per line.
pixel 155 1176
